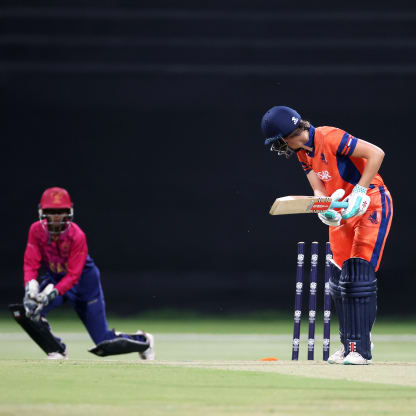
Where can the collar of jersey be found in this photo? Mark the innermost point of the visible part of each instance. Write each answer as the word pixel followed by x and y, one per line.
pixel 310 142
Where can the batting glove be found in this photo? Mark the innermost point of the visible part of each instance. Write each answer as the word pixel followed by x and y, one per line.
pixel 358 202
pixel 331 217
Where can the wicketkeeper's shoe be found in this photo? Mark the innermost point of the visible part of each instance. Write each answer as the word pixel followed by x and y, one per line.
pixel 57 356
pixel 355 358
pixel 148 354
pixel 338 356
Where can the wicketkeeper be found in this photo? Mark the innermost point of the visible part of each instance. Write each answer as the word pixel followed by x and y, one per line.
pixel 338 164
pixel 59 245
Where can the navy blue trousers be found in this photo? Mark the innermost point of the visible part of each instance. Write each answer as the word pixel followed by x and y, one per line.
pixel 87 298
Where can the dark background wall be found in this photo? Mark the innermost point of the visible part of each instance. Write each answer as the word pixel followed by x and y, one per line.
pixel 149 112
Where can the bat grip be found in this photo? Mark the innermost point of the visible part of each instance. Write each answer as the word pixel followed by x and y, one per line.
pixel 339 205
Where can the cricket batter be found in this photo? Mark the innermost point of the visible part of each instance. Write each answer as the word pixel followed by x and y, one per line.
pixel 338 164
pixel 59 245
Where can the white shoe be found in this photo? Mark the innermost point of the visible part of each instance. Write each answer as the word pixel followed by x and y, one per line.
pixel 57 356
pixel 148 354
pixel 338 356
pixel 355 358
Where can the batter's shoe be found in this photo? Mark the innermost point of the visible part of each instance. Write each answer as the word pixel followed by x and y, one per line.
pixel 338 356
pixel 355 358
pixel 148 354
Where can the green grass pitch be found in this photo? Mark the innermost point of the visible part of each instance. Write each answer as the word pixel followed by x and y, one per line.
pixel 206 366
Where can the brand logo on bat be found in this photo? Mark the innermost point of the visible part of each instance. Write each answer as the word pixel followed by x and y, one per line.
pixel 320 206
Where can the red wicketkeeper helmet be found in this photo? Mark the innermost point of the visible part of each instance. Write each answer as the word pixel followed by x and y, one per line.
pixel 56 210
pixel 55 198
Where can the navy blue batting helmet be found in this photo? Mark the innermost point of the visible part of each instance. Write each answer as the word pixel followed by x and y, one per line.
pixel 280 121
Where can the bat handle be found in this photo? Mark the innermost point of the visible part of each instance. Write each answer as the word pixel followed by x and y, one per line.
pixel 339 205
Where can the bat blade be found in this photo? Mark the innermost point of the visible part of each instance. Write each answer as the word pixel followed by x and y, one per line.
pixel 297 204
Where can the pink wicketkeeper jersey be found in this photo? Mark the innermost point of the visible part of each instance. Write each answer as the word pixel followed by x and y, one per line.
pixel 67 255
pixel 331 159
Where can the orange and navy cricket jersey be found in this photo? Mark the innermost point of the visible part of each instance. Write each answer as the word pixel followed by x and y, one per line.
pixel 332 161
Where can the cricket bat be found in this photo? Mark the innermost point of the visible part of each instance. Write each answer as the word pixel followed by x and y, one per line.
pixel 297 204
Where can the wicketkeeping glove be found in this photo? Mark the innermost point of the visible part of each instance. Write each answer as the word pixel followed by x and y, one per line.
pixel 45 297
pixel 29 300
pixel 331 217
pixel 358 202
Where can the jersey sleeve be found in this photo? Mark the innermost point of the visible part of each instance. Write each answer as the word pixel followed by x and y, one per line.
pixel 32 257
pixel 76 263
pixel 341 143
pixel 304 162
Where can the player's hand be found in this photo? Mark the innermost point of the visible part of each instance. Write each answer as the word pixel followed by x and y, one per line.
pixel 358 202
pixel 29 301
pixel 331 217
pixel 45 297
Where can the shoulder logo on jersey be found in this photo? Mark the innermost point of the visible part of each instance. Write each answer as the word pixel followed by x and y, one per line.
pixel 324 175
pixel 373 217
pixel 323 158
pixel 295 120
